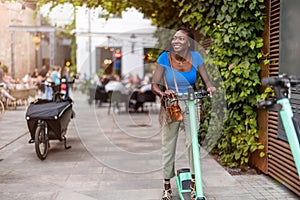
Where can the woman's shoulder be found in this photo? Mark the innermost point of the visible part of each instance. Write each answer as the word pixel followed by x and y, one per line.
pixel 195 53
pixel 164 54
pixel 197 58
pixel 163 58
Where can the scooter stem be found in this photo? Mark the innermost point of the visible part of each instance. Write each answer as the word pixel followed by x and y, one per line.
pixel 195 144
pixel 286 114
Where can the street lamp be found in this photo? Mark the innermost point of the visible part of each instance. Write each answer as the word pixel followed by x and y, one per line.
pixel 37 41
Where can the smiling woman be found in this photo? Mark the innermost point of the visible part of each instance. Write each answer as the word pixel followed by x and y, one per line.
pixel 177 67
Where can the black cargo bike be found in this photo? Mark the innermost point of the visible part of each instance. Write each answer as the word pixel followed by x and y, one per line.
pixel 48 119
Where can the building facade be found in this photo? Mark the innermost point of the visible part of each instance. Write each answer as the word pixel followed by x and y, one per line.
pixel 26 43
pixel 17 14
pixel 120 43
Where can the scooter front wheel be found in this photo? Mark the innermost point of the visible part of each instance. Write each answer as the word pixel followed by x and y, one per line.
pixel 41 142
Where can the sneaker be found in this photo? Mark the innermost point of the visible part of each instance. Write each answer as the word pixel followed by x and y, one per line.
pixel 193 191
pixel 193 194
pixel 167 195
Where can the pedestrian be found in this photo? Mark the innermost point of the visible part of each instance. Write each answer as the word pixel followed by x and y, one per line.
pixel 55 76
pixel 66 76
pixel 47 88
pixel 43 72
pixel 180 63
pixel 43 76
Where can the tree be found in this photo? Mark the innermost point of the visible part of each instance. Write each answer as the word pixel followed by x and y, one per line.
pixel 162 13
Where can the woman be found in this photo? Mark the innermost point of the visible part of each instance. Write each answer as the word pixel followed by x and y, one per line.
pixel 185 64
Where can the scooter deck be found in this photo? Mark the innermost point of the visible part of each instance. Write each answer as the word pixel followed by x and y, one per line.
pixel 185 191
pixel 183 180
pixel 186 195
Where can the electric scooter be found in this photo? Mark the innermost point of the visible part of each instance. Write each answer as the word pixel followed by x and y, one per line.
pixel 183 178
pixel 282 89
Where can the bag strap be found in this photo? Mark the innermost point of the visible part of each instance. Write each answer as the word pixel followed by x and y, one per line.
pixel 166 84
pixel 171 63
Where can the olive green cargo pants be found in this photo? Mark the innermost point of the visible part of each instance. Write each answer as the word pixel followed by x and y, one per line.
pixel 170 134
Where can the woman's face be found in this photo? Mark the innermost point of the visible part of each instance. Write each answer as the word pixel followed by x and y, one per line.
pixel 180 41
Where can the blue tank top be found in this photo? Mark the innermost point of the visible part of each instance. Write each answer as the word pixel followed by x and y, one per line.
pixel 183 79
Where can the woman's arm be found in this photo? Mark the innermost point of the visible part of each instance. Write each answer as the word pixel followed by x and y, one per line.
pixel 210 88
pixel 156 80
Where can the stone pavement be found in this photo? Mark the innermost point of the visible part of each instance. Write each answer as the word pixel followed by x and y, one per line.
pixel 113 157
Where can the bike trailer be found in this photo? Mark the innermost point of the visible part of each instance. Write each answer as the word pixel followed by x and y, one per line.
pixel 56 114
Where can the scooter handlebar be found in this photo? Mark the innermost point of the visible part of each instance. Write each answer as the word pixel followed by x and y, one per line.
pixel 278 81
pixel 197 95
pixel 269 81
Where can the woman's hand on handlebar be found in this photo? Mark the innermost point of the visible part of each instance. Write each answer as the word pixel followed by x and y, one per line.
pixel 211 90
pixel 169 92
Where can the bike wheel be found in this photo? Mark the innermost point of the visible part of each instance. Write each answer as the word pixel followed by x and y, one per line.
pixel 41 142
pixel 2 109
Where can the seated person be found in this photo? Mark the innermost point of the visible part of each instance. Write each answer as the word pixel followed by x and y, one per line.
pixel 145 88
pixel 115 85
pixel 100 93
pixel 119 92
pixel 5 93
pixel 104 79
pixel 137 98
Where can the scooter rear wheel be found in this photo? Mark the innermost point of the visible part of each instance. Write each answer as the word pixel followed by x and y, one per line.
pixel 41 142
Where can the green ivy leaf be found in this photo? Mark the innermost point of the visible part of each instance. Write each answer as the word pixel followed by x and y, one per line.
pixel 233 139
pixel 237 155
pixel 266 61
pixel 259 55
pixel 228 18
pixel 220 17
pixel 226 39
pixel 252 44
